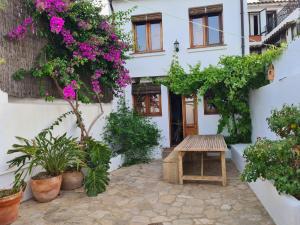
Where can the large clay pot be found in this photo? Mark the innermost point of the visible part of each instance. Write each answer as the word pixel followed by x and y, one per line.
pixel 9 208
pixel 71 180
pixel 45 190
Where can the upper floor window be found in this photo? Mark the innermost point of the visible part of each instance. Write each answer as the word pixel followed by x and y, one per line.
pixel 206 25
pixel 147 99
pixel 147 33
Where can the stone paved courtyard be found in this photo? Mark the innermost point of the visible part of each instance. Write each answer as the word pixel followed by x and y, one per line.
pixel 138 196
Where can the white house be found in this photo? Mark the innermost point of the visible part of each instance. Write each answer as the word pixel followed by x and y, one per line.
pixel 205 30
pixel 272 22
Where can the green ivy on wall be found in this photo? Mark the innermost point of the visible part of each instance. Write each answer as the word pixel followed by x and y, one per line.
pixel 230 81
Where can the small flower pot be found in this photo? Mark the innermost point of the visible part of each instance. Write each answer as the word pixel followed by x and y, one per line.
pixel 9 208
pixel 72 180
pixel 45 189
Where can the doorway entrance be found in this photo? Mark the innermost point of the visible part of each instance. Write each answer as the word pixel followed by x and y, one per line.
pixel 183 117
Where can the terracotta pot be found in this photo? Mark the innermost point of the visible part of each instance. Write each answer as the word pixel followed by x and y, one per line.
pixel 45 190
pixel 9 208
pixel 71 180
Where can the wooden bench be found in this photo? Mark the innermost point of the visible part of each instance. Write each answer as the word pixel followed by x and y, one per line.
pixel 203 144
pixel 170 168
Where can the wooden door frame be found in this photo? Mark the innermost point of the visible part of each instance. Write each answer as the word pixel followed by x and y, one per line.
pixel 184 114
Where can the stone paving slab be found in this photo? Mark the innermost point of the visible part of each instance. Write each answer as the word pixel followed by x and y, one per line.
pixel 138 196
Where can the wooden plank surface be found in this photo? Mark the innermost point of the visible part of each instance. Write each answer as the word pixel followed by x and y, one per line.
pixel 202 143
pixel 202 178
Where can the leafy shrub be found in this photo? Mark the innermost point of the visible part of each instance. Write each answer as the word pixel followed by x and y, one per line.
pixel 285 122
pixel 278 161
pixel 53 154
pixel 98 159
pixel 132 135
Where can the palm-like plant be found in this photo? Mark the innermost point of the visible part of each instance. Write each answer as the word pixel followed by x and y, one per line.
pixel 53 154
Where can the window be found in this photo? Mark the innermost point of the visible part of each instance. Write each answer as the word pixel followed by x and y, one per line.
pixel 254 24
pixel 147 33
pixel 147 99
pixel 206 25
pixel 209 107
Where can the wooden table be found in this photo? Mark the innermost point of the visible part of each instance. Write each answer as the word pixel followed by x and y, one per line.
pixel 203 144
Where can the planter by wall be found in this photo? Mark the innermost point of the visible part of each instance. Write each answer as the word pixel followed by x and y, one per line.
pixel 284 209
pixel 45 190
pixel 9 208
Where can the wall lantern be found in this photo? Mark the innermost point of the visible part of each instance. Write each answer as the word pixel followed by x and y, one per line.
pixel 176 46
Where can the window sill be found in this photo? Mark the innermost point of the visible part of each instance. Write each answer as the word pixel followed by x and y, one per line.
pixel 208 48
pixel 147 54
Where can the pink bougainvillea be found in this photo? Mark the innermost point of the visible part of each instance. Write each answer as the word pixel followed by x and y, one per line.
pixel 68 37
pixel 52 7
pixel 20 31
pixel 105 26
pixel 87 51
pixel 69 90
pixel 124 79
pixel 56 24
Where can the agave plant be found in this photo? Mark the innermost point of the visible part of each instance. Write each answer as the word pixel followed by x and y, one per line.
pixel 53 154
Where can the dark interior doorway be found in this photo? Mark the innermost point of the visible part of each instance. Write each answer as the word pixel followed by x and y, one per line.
pixel 176 123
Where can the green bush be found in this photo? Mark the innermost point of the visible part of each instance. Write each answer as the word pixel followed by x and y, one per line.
pixel 132 135
pixel 278 161
pixel 97 159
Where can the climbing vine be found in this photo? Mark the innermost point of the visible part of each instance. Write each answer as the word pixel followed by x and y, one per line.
pixel 230 82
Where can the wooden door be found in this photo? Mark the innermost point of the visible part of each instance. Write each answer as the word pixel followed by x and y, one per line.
pixel 190 115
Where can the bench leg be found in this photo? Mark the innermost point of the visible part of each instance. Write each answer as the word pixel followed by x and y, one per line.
pixel 202 165
pixel 223 163
pixel 180 167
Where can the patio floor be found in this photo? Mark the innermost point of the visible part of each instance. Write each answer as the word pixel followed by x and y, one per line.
pixel 138 196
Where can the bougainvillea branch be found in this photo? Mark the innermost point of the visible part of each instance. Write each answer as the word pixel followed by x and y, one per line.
pixel 84 54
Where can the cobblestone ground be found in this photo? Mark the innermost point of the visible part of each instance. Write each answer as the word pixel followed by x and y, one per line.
pixel 138 196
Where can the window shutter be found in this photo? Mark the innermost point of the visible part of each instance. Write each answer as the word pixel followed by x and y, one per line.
pixel 204 10
pixel 146 17
pixel 146 88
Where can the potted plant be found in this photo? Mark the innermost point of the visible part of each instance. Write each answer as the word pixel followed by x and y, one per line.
pixel 53 154
pixel 72 178
pixel 10 201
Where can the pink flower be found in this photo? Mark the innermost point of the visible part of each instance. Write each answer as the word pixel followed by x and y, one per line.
pixel 84 25
pixel 69 92
pixel 17 33
pixel 86 50
pixel 96 86
pixel 98 74
pixel 114 37
pixel 114 55
pixel 124 78
pixel 28 21
pixel 105 26
pixel 20 31
pixel 68 37
pixel 52 7
pixel 56 24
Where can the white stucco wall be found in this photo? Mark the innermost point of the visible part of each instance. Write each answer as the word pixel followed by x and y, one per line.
pixel 175 23
pixel 26 119
pixel 284 89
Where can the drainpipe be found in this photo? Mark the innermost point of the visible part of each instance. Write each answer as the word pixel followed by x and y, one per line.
pixel 242 27
pixel 111 6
